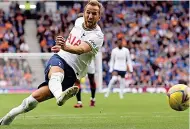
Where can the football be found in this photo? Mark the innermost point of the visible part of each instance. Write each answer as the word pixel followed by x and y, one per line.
pixel 178 97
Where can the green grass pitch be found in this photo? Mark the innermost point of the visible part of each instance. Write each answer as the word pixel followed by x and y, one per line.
pixel 135 111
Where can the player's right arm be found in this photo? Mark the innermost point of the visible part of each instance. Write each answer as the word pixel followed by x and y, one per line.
pixel 82 48
pixel 60 44
pixel 60 41
pixel 92 44
pixel 112 60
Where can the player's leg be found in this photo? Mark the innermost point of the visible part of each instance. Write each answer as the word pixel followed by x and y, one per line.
pixel 28 104
pixel 78 96
pixel 91 73
pixel 92 88
pixel 55 75
pixel 112 81
pixel 122 83
pixel 122 86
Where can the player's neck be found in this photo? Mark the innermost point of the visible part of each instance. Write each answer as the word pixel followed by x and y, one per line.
pixel 120 47
pixel 87 28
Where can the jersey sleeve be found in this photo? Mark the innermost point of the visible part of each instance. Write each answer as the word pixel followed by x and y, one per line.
pixel 95 41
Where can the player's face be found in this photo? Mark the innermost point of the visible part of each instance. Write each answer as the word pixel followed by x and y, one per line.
pixel 91 16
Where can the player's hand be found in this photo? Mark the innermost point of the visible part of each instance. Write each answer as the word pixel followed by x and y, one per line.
pixel 56 48
pixel 60 41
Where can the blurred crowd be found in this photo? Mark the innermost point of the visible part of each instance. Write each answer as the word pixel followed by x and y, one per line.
pixel 12 30
pixel 13 72
pixel 156 34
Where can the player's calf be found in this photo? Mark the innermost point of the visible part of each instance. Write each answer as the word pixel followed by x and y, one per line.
pixel 26 105
pixel 55 85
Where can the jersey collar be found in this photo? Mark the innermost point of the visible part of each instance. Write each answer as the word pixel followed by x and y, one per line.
pixel 87 29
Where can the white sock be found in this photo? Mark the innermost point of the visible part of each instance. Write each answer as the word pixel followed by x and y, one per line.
pixel 55 84
pixel 110 85
pixel 79 102
pixel 93 99
pixel 122 86
pixel 27 105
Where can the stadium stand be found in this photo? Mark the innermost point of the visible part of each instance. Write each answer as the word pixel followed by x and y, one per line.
pixel 13 72
pixel 155 32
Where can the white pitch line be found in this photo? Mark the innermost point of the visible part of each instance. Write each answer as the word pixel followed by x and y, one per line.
pixel 60 117
pixel 151 116
pixel 82 116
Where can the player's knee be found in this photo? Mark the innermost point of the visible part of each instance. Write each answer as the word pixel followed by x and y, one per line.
pixel 77 83
pixel 119 78
pixel 29 104
pixel 58 76
pixel 114 78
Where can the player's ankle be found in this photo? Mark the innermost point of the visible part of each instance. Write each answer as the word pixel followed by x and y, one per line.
pixel 79 102
pixel 93 99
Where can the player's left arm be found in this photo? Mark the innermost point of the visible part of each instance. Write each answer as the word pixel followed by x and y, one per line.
pixel 129 62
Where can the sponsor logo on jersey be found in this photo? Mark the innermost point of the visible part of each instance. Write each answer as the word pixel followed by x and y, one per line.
pixel 73 41
pixel 93 43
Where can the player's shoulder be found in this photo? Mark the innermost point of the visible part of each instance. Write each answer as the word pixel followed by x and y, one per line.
pixel 126 50
pixel 79 21
pixel 95 33
pixel 115 50
pixel 99 32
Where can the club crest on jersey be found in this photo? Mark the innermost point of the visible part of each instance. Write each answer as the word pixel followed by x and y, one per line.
pixel 59 63
pixel 73 41
pixel 83 35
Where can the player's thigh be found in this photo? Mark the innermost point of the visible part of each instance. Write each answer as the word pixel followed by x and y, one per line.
pixel 42 94
pixel 55 64
pixel 55 69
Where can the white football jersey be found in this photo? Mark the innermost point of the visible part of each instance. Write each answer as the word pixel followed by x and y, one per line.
pixel 94 38
pixel 120 58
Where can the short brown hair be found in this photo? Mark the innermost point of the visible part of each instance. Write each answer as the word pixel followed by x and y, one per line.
pixel 96 3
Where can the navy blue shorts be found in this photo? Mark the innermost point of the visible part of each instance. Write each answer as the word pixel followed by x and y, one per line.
pixel 121 73
pixel 69 78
